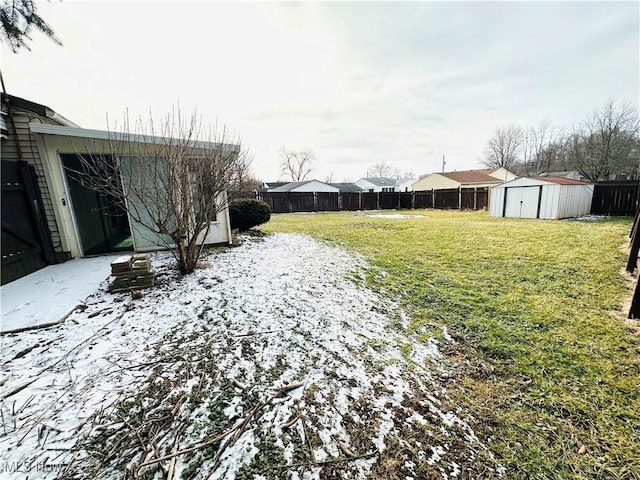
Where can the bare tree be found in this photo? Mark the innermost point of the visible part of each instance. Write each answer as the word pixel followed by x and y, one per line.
pixel 296 165
pixel 537 154
pixel 171 179
pixel 607 143
pixel 382 170
pixel 242 180
pixel 502 149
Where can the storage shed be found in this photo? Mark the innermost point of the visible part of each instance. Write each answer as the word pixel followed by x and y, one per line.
pixel 541 197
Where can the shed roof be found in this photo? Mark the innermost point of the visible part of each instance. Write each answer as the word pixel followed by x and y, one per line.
pixel 540 181
pixel 562 180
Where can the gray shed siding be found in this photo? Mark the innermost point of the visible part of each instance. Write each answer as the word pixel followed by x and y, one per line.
pixel 553 200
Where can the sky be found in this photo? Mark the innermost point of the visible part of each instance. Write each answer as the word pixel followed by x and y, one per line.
pixel 357 83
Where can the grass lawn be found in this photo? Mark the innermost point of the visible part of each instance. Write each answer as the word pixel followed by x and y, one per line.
pixel 543 358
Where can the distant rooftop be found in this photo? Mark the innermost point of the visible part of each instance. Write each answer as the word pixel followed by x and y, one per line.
pixel 381 181
pixel 473 176
pixel 347 187
pixel 287 187
pixel 274 184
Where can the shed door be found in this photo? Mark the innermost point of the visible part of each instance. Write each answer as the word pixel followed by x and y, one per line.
pixel 522 202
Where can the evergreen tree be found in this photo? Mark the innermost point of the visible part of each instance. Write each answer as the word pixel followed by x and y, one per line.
pixel 18 18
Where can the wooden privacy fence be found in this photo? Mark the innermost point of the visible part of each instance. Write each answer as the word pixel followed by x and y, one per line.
pixel 616 198
pixel 457 198
pixel 26 245
pixel 632 264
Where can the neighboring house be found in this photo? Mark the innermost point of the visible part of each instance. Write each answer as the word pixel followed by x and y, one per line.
pixel 55 217
pixel 464 179
pixel 541 197
pixel 347 187
pixel 271 185
pixel 405 185
pixel 377 184
pixel 309 186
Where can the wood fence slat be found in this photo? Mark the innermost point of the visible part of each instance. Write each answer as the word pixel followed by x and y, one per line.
pixel 288 202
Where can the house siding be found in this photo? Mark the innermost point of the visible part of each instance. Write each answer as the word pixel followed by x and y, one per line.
pixel 51 147
pixel 30 154
pixel 503 175
pixel 435 181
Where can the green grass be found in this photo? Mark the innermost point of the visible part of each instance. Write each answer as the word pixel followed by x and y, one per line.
pixel 543 359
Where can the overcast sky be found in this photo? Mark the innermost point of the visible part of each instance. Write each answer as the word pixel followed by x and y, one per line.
pixel 358 83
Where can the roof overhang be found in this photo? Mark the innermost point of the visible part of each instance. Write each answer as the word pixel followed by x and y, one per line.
pixel 90 134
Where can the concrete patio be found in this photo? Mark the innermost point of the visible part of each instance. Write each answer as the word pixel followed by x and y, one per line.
pixel 47 296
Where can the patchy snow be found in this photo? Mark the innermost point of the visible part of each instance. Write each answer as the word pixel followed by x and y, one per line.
pixel 267 363
pixel 397 216
pixel 591 218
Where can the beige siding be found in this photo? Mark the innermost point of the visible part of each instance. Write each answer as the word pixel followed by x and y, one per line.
pixel 435 181
pixel 503 175
pixel 30 154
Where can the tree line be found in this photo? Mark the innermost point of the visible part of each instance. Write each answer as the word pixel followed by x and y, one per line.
pixel 603 146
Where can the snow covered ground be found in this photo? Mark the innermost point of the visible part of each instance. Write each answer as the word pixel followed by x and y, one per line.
pixel 272 361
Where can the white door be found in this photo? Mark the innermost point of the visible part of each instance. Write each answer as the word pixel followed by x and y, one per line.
pixel 522 202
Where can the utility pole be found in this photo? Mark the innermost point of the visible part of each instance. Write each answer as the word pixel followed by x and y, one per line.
pixel 443 163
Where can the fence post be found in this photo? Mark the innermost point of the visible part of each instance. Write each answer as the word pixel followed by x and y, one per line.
pixel 634 311
pixel 635 248
pixel 433 198
pixel 459 198
pixel 475 198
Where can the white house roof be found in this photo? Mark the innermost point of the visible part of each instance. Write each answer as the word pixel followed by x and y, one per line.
pixel 288 187
pixel 380 181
